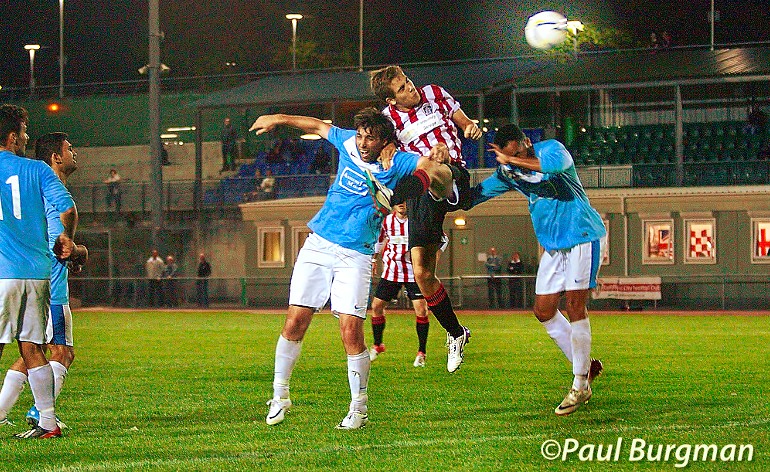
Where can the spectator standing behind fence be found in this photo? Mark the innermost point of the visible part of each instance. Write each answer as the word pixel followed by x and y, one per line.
pixel 113 189
pixel 494 284
pixel 170 297
pixel 268 185
pixel 515 284
pixel 202 284
pixel 154 268
pixel 229 139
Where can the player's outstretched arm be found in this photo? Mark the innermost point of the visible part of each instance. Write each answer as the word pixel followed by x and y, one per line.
pixel 524 157
pixel 308 124
pixel 469 128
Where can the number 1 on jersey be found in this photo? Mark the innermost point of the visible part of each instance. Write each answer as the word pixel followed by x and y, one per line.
pixel 13 181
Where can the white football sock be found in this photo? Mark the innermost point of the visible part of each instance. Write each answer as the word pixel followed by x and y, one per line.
pixel 581 353
pixel 41 384
pixel 358 377
pixel 286 355
pixel 559 329
pixel 59 374
pixel 9 394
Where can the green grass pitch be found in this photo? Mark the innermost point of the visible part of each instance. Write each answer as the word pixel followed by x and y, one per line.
pixel 186 391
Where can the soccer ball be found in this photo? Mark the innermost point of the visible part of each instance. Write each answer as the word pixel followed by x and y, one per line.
pixel 545 30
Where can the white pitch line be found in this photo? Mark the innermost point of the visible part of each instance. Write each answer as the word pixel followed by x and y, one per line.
pixel 123 465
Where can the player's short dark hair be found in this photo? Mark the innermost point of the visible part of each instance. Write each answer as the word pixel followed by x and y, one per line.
pixel 49 144
pixel 380 79
pixel 11 118
pixel 509 132
pixel 375 123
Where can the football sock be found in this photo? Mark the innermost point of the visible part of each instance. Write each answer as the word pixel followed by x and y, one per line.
pixel 378 327
pixel 422 325
pixel 410 186
pixel 9 394
pixel 41 384
pixel 441 307
pixel 581 353
pixel 358 377
pixel 59 374
pixel 559 329
pixel 286 355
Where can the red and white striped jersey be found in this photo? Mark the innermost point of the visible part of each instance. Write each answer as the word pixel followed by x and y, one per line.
pixel 396 261
pixel 428 124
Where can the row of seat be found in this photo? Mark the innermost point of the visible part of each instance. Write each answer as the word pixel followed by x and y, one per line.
pixel 722 141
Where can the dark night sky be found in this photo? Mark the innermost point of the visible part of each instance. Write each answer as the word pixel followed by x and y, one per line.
pixel 107 40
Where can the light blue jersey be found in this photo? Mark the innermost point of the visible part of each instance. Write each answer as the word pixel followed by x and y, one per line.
pixel 24 183
pixel 561 213
pixel 60 292
pixel 348 216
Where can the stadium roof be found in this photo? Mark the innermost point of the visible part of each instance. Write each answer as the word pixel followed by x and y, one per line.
pixel 594 70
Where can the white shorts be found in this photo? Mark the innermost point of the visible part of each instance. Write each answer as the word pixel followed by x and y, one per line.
pixel 24 310
pixel 570 269
pixel 59 329
pixel 325 269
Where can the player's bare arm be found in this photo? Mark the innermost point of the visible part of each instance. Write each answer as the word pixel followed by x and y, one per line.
pixel 470 129
pixel 64 245
pixel 308 124
pixel 522 156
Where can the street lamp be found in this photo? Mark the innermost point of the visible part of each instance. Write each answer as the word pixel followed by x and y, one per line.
pixel 61 48
pixel 294 17
pixel 32 48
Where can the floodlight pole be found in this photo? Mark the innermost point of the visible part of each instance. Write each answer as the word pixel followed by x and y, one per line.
pixel 361 36
pixel 711 24
pixel 61 48
pixel 153 69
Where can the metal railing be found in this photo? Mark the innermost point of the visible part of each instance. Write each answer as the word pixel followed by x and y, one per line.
pixel 182 195
pixel 726 292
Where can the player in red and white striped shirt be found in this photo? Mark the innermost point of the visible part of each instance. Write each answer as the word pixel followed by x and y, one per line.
pixel 423 118
pixel 397 273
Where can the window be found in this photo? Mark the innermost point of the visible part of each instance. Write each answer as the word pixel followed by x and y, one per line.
pixel 658 242
pixel 700 246
pixel 271 243
pixel 761 241
pixel 298 236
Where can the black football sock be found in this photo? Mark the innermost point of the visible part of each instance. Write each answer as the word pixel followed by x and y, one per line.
pixel 422 326
pixel 378 327
pixel 441 307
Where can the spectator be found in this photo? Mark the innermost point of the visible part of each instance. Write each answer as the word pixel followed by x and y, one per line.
pixel 170 297
pixel 654 44
pixel 229 139
pixel 494 268
pixel 164 156
pixel 666 40
pixel 202 284
pixel 255 194
pixel 154 268
pixel 322 162
pixel 757 121
pixel 274 155
pixel 268 185
pixel 113 190
pixel 515 284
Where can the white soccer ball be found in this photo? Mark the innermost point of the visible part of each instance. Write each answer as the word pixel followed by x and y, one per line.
pixel 546 29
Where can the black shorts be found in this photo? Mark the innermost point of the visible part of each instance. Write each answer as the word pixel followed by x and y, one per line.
pixel 388 290
pixel 426 214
